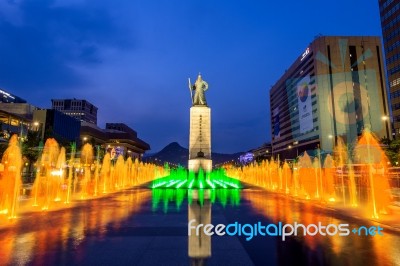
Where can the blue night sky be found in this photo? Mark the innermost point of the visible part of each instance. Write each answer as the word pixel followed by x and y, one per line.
pixel 132 58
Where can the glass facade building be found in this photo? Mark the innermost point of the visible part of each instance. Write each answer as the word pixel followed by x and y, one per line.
pixel 335 88
pixel 53 123
pixel 390 21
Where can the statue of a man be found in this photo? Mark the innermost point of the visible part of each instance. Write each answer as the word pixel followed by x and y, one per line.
pixel 199 88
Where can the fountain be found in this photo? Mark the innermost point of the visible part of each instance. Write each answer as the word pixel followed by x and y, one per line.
pixel 48 177
pixel 59 181
pixel 362 184
pixel 70 173
pixel 357 181
pixel 10 181
pixel 328 180
pixel 87 165
pixel 373 174
pixel 180 178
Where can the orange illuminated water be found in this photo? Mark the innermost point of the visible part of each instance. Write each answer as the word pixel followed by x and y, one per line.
pixel 373 173
pixel 355 179
pixel 29 240
pixel 279 208
pixel 61 180
pixel 10 178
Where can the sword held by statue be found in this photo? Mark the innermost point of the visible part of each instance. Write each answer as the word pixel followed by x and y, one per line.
pixel 190 89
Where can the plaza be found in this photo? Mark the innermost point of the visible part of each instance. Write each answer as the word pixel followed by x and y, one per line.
pixel 199 133
pixel 127 229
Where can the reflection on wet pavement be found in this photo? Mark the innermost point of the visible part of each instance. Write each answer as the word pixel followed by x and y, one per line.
pixel 126 229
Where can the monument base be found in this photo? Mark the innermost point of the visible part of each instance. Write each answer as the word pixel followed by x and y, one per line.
pixel 195 164
pixel 200 139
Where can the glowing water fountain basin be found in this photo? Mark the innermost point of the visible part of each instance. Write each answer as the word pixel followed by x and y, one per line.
pixel 181 179
pixel 59 181
pixel 355 179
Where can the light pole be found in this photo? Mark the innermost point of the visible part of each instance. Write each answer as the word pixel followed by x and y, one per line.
pixel 297 148
pixel 332 141
pixel 385 119
pixel 40 125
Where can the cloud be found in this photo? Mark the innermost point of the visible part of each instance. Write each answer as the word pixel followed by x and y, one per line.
pixel 43 40
pixel 9 11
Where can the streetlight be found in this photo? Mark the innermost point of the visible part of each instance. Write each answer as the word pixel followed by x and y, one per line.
pixel 385 119
pixel 330 136
pixel 39 128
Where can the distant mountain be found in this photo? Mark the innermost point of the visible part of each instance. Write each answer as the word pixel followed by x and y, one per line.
pixel 176 154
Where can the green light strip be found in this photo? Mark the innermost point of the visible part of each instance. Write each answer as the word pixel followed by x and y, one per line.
pixel 181 178
pixel 230 184
pixel 159 185
pixel 191 184
pixel 172 183
pixel 211 184
pixel 219 183
pixel 181 184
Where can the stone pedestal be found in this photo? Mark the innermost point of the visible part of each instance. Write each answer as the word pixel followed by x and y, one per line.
pixel 200 139
pixel 199 246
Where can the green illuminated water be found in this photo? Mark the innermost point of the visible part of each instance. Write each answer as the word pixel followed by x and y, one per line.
pixel 216 187
pixel 181 178
pixel 172 198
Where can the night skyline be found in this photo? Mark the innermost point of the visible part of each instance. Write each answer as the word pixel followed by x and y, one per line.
pixel 132 60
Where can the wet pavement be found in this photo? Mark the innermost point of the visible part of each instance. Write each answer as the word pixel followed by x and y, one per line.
pixel 127 228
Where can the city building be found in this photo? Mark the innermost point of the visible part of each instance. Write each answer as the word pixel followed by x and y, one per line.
pixel 263 152
pixel 11 123
pixel 6 97
pixel 80 109
pixel 93 134
pixel 124 140
pixel 116 138
pixel 21 109
pixel 335 88
pixel 390 21
pixel 53 123
pixel 15 115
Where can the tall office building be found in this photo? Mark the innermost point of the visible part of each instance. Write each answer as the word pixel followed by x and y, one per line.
pixel 80 109
pixel 390 21
pixel 336 87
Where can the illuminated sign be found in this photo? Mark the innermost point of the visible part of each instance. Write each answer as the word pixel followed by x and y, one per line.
pixel 7 94
pixel 304 55
pixel 246 158
pixel 116 151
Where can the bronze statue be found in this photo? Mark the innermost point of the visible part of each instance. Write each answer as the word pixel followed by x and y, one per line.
pixel 199 88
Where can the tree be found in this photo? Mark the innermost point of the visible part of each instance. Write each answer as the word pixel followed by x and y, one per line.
pixel 30 147
pixel 392 149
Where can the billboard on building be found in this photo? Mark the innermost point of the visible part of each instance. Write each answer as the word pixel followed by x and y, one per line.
pixel 115 152
pixel 304 104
